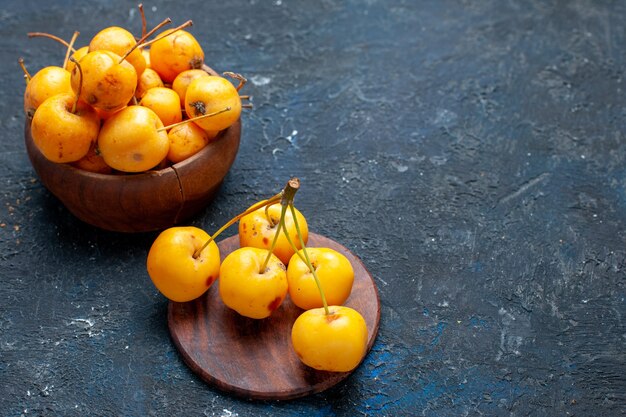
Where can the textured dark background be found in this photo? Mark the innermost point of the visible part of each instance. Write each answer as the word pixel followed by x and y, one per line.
pixel 472 153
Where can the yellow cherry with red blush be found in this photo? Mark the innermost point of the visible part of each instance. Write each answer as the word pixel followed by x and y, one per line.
pixel 249 285
pixel 258 229
pixel 180 265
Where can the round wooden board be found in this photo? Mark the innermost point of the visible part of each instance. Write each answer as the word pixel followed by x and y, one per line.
pixel 254 358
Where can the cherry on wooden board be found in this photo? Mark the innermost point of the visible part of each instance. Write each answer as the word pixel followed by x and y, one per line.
pixel 254 358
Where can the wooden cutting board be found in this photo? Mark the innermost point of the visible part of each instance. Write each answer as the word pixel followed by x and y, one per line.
pixel 254 358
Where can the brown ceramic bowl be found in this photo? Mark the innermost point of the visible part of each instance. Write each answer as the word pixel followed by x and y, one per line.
pixel 145 201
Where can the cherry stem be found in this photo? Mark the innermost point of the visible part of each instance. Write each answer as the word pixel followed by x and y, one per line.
pixel 242 80
pixel 27 76
pixel 145 36
pixel 158 38
pixel 272 200
pixel 193 119
pixel 247 106
pixel 144 24
pixel 268 217
pixel 139 44
pixel 50 36
pixel 273 245
pixel 305 258
pixel 80 83
pixel 70 47
pixel 287 195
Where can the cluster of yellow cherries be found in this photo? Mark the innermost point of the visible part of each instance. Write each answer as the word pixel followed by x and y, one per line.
pixel 125 105
pixel 271 262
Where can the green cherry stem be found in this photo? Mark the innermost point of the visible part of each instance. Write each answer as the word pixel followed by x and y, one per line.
pixel 307 261
pixel 287 200
pixel 272 200
pixel 280 224
pixel 287 196
pixel 268 217
pixel 299 233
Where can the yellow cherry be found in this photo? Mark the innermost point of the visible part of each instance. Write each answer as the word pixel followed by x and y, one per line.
pixel 175 53
pixel 335 342
pixel 63 129
pixel 119 41
pixel 164 102
pixel 77 56
pixel 257 230
pixel 186 140
pixel 206 95
pixel 247 289
pixel 131 140
pixel 108 83
pixel 334 272
pixel 175 271
pixel 147 80
pixel 182 81
pixel 93 162
pixel 46 83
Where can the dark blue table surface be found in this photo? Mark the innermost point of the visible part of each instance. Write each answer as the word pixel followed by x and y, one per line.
pixel 471 153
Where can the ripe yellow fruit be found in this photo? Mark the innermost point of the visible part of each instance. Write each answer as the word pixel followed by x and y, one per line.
pixel 119 41
pixel 336 342
pixel 63 136
pixel 130 140
pixel 48 82
pixel 174 270
pixel 209 95
pixel 164 102
pixel 175 53
pixel 334 271
pixel 247 289
pixel 107 83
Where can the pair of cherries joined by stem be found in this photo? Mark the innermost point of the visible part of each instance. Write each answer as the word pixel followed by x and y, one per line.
pixel 183 262
pixel 126 105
